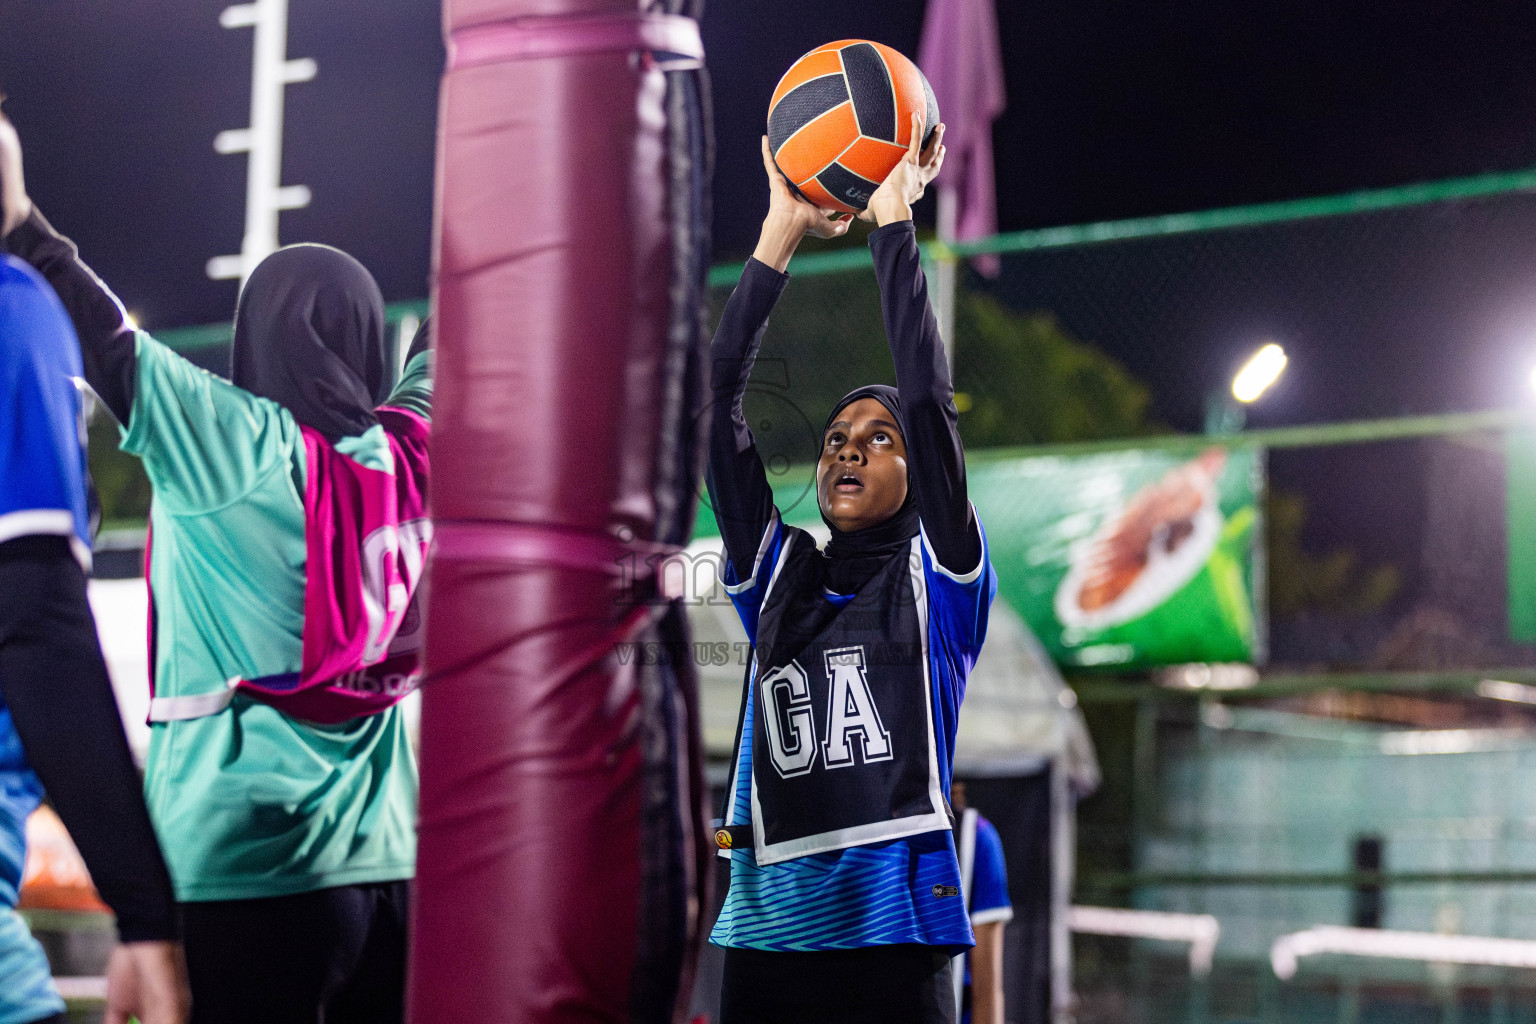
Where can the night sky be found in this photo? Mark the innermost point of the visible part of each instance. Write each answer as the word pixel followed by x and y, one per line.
pixel 1115 110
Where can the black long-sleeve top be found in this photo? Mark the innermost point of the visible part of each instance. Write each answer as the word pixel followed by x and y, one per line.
pixel 106 343
pixel 54 681
pixel 738 483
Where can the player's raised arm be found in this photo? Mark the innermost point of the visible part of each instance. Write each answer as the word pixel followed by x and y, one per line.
pixel 738 484
pixel 934 452
pixel 106 342
pixel 53 681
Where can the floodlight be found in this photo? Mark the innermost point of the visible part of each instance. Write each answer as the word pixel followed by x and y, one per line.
pixel 1259 373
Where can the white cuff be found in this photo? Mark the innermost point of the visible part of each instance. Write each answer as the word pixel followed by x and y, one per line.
pixel 197 705
pixel 991 914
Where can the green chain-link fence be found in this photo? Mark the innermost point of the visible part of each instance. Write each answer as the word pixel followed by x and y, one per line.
pixel 1385 785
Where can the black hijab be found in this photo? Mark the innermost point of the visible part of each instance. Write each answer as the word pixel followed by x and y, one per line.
pixel 850 559
pixel 853 558
pixel 309 334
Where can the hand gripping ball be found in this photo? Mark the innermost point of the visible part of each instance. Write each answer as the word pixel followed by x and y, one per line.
pixel 841 118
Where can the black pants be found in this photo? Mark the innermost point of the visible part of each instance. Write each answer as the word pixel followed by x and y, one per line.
pixel 904 984
pixel 335 956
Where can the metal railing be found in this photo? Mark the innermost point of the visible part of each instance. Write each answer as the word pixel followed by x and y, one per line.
pixel 1201 931
pixel 1429 947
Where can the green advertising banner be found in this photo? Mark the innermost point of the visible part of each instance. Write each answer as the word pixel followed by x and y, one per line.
pixel 1520 520
pixel 1129 559
pixel 1126 559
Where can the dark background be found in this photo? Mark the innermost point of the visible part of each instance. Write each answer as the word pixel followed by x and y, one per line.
pixel 1115 110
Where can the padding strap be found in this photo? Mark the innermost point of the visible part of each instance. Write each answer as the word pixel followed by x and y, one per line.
pixel 673 39
pixel 524 544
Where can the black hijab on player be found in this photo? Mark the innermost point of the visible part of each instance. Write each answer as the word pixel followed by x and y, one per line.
pixel 309 335
pixel 852 558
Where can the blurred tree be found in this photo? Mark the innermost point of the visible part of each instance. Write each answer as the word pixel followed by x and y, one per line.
pixel 121 484
pixel 1019 378
pixel 1022 379
pixel 1334 582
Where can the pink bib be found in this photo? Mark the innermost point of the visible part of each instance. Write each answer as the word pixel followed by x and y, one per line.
pixel 366 535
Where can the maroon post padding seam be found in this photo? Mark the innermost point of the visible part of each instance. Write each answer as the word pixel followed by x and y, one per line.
pixel 532 38
pixel 546 546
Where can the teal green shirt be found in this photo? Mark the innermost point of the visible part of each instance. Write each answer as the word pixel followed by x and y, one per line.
pixel 250 802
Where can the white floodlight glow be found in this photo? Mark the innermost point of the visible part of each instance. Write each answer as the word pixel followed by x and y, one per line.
pixel 1259 373
pixel 1533 378
pixel 81 988
pixel 1216 676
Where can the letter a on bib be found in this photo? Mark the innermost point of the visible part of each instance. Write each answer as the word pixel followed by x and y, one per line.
pixel 851 710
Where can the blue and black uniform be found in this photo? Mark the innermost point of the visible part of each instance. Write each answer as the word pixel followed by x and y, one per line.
pixel 844 898
pixel 59 725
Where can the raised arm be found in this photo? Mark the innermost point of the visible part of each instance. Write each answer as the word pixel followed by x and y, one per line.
pixel 738 484
pixel 106 342
pixel 935 457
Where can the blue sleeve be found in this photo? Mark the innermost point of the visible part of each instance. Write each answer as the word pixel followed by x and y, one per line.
pixel 26 987
pixel 957 607
pixel 42 454
pixel 747 594
pixel 20 793
pixel 959 603
pixel 989 878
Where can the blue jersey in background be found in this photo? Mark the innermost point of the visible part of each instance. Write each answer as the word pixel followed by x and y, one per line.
pixel 43 491
pixel 989 877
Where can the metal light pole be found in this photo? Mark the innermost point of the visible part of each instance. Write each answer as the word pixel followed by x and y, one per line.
pixel 946 272
pixel 1063 861
pixel 265 195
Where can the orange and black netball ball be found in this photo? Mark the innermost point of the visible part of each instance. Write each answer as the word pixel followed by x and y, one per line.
pixel 841 117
